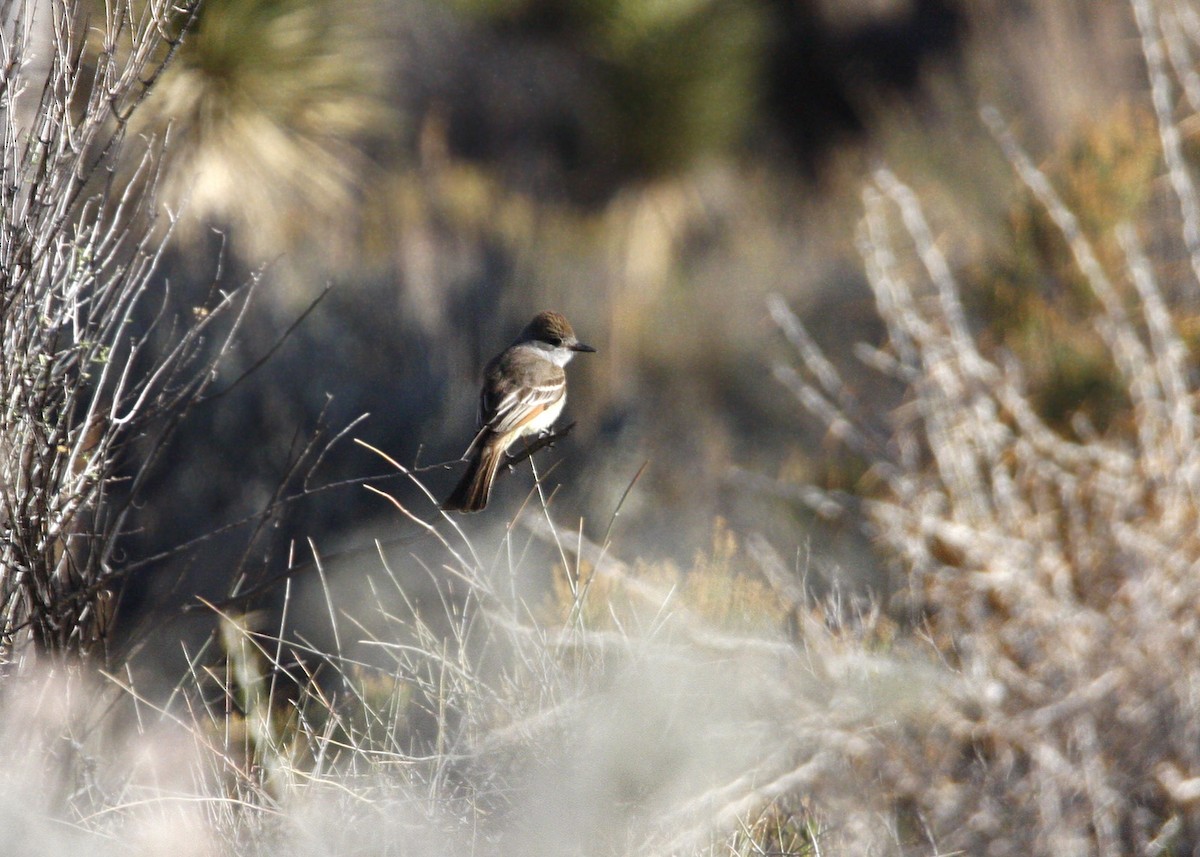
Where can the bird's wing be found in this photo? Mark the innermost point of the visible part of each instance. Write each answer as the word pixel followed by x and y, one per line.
pixel 511 398
pixel 515 407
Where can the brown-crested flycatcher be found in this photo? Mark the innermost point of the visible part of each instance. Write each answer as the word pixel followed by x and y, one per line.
pixel 524 390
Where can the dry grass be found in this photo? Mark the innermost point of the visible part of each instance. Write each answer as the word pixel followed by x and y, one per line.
pixel 1029 688
pixel 474 726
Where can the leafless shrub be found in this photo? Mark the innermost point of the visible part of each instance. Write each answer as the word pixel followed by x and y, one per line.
pixel 80 244
pixel 1057 575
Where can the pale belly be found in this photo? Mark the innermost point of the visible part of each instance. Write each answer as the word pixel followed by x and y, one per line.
pixel 545 419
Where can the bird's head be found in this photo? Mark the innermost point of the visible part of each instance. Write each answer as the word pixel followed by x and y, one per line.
pixel 553 329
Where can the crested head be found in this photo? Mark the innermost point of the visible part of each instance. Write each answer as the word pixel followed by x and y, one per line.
pixel 552 329
pixel 549 326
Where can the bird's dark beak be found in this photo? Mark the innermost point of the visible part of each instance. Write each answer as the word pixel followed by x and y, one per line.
pixel 579 346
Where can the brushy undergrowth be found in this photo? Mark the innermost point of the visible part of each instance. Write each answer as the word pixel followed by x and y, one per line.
pixel 1052 571
pixel 1029 687
pixel 93 361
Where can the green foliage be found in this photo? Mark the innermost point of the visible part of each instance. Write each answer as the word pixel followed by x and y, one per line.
pixel 683 75
pixel 680 77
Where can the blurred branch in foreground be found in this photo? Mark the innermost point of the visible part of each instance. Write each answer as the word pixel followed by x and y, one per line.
pixel 1055 572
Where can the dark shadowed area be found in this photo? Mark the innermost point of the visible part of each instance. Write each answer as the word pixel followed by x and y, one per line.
pixel 447 170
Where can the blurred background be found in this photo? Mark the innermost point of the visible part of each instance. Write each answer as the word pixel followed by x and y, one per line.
pixel 654 169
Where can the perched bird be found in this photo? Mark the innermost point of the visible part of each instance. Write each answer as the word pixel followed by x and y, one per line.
pixel 524 390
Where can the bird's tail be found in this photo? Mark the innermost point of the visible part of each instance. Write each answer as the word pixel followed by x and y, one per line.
pixel 472 492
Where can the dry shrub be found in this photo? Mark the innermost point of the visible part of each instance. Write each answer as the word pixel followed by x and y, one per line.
pixel 1030 293
pixel 76 779
pixel 1055 574
pixel 82 376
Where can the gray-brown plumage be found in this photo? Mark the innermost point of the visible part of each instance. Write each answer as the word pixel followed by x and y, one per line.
pixel 524 391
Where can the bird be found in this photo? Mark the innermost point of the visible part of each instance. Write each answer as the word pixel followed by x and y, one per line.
pixel 524 391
